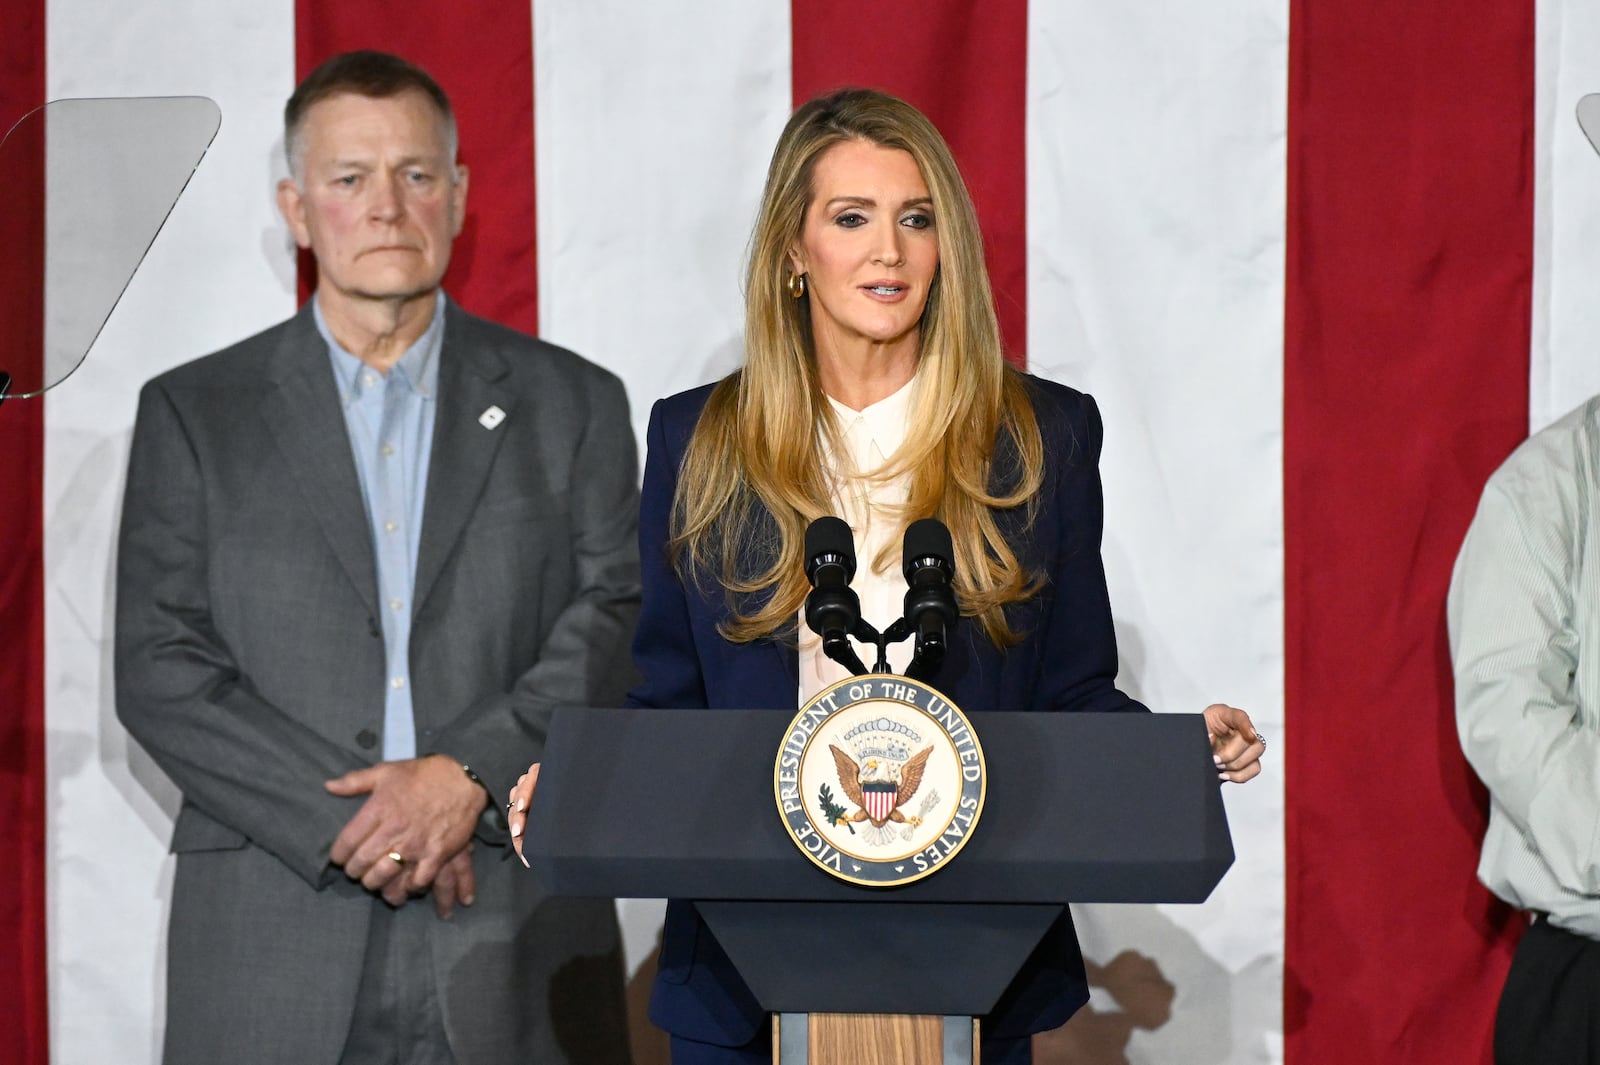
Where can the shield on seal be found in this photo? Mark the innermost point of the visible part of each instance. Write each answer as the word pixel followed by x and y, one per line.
pixel 880 799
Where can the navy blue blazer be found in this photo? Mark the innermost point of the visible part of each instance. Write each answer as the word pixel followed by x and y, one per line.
pixel 1067 660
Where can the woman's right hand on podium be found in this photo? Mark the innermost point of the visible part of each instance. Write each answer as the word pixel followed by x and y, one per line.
pixel 517 807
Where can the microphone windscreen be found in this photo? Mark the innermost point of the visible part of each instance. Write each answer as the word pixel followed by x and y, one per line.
pixel 831 536
pixel 927 537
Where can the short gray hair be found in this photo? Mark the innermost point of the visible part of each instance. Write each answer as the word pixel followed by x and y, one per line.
pixel 379 75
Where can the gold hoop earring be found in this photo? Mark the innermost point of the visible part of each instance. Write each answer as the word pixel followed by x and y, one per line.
pixel 797 285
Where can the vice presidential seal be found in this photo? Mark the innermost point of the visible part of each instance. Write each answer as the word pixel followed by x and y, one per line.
pixel 880 780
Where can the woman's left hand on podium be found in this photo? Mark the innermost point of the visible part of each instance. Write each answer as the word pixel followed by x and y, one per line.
pixel 1236 746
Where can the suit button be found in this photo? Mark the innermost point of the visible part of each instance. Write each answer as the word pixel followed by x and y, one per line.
pixel 367 738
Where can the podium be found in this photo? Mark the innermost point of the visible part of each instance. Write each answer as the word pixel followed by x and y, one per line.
pixel 680 804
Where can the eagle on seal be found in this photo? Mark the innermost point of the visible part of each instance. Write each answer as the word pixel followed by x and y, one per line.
pixel 879 776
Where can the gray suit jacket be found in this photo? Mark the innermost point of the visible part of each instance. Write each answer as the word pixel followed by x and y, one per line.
pixel 250 664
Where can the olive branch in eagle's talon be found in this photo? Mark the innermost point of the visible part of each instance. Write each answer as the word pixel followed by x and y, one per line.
pixel 832 810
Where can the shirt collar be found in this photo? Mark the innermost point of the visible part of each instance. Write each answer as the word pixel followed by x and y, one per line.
pixel 417 368
pixel 875 432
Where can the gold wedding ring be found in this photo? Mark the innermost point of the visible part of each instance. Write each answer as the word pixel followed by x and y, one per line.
pixel 397 858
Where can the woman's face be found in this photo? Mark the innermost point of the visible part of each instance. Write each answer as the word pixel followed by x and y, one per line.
pixel 868 248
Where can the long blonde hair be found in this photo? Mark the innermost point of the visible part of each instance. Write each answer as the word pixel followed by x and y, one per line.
pixel 753 475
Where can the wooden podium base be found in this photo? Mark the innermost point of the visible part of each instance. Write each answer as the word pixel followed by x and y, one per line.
pixel 873 1039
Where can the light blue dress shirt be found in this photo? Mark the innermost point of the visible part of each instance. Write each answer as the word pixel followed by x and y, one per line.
pixel 390 420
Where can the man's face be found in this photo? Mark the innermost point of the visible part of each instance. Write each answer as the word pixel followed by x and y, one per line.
pixel 378 198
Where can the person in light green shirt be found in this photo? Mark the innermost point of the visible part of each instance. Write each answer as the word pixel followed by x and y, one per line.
pixel 1524 618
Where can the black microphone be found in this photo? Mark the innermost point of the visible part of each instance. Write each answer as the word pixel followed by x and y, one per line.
pixel 928 561
pixel 833 610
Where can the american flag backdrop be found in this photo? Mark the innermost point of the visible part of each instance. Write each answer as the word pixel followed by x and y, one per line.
pixel 1322 264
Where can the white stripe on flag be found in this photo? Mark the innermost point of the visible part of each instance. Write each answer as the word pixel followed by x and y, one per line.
pixel 220 270
pixel 1156 155
pixel 653 125
pixel 653 128
pixel 1563 369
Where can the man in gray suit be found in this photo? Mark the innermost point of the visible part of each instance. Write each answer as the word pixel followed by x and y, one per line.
pixel 362 554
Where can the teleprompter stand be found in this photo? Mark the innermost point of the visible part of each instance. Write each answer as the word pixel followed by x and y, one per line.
pixel 680 804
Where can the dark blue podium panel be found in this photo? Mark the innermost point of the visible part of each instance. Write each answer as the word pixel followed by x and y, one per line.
pixel 679 803
pixel 877 956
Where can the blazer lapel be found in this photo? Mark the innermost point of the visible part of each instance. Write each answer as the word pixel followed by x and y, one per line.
pixel 471 381
pixel 305 420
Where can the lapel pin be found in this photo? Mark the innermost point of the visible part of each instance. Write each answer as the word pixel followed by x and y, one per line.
pixel 491 417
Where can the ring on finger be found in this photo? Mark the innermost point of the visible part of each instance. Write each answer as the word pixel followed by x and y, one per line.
pixel 396 857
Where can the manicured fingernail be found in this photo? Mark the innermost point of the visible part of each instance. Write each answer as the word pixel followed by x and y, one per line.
pixel 525 864
pixel 521 803
pixel 1222 776
pixel 1216 759
pixel 468 900
pixel 516 830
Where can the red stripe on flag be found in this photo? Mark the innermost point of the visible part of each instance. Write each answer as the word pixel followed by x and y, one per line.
pixel 1406 381
pixel 24 1040
pixel 966 67
pixel 481 53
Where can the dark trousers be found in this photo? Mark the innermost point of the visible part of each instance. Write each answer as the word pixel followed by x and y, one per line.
pixel 1550 1009
pixel 397 1018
